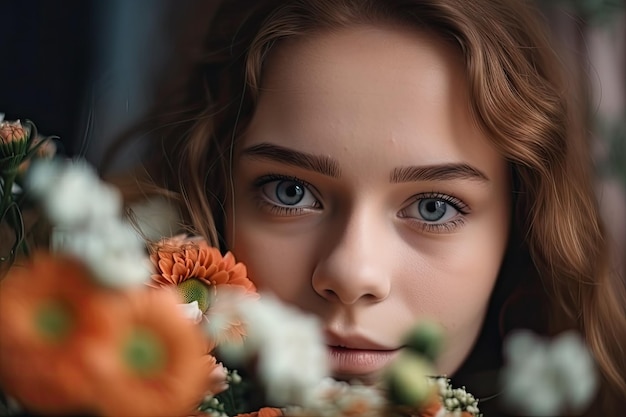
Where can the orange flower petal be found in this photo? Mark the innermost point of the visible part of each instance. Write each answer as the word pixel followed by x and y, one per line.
pixel 179 373
pixel 263 412
pixel 51 314
pixel 432 408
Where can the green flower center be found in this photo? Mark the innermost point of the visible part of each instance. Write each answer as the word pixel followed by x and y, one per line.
pixel 54 321
pixel 195 290
pixel 144 353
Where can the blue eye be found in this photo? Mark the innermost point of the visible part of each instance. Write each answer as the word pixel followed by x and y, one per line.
pixel 434 209
pixel 289 193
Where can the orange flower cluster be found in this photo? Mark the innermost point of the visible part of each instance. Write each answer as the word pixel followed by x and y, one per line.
pixel 69 346
pixel 198 272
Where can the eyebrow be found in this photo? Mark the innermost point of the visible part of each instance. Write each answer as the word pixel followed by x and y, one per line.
pixel 441 172
pixel 329 167
pixel 321 164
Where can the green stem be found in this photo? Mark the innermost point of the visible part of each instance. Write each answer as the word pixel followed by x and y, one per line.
pixel 9 208
pixel 7 188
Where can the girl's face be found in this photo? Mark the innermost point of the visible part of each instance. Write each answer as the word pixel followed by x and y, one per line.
pixel 365 193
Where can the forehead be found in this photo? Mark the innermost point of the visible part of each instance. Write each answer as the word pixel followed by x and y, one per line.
pixel 369 86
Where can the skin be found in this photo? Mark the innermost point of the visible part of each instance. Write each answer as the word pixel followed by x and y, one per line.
pixel 355 247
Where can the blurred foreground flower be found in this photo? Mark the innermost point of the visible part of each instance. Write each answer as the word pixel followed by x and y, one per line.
pixel 290 348
pixel 69 345
pixel 341 399
pixel 410 383
pixel 206 282
pixel 158 365
pixel 51 316
pixel 87 215
pixel 548 377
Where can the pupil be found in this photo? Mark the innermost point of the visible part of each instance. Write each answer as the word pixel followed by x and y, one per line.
pixel 293 191
pixel 432 209
pixel 289 192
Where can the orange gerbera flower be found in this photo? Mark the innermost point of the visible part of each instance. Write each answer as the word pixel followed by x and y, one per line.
pixel 264 412
pixel 200 273
pixel 51 313
pixel 158 366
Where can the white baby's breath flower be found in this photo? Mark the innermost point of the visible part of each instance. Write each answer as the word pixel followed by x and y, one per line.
pixel 112 251
pixel 87 219
pixel 72 193
pixel 290 348
pixel 455 400
pixel 543 378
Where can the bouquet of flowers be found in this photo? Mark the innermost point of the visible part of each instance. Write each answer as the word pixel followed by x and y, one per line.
pixel 105 323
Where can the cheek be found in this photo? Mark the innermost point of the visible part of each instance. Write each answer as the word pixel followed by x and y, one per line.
pixel 453 283
pixel 275 262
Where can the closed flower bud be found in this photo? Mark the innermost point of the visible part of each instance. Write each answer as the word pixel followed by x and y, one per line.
pixel 13 139
pixel 407 380
pixel 12 132
pixel 426 339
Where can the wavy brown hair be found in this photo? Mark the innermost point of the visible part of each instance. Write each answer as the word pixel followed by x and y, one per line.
pixel 521 99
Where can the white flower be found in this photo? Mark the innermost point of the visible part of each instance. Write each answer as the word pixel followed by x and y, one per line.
pixel 291 350
pixel 455 400
pixel 224 316
pixel 72 193
pixel 543 378
pixel 86 213
pixel 191 311
pixel 337 399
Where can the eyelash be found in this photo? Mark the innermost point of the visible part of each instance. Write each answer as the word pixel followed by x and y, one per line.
pixel 449 226
pixel 278 210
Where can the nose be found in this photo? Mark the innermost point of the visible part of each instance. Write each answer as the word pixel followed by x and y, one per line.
pixel 355 264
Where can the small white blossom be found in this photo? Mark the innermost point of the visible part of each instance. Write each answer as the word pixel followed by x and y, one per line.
pixel 225 312
pixel 112 251
pixel 455 400
pixel 72 193
pixel 544 378
pixel 291 350
pixel 87 219
pixel 191 311
pixel 338 398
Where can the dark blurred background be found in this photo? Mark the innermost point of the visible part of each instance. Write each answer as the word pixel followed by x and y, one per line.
pixel 47 51
pixel 85 70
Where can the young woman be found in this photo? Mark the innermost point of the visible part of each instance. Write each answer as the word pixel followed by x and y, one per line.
pixel 376 162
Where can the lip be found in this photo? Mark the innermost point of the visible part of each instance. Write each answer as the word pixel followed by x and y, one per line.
pixel 355 356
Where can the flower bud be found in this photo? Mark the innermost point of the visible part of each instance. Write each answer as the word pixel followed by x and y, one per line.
pixel 13 139
pixel 426 339
pixel 408 380
pixel 12 131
